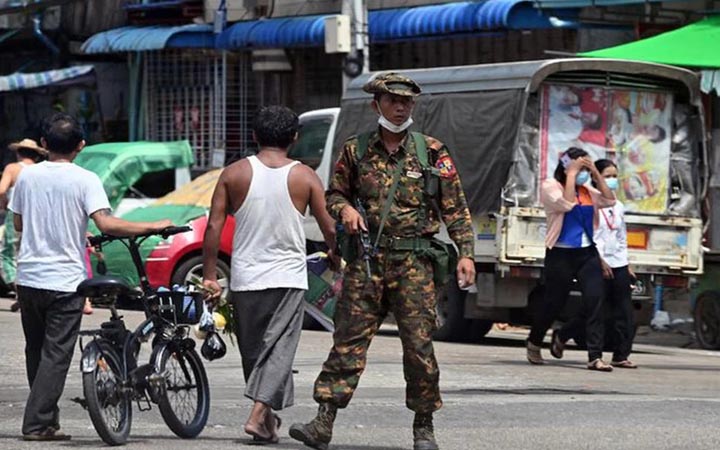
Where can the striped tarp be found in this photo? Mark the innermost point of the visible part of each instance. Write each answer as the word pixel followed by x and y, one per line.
pixel 23 81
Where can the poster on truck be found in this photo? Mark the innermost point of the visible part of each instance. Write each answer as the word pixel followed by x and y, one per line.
pixel 632 128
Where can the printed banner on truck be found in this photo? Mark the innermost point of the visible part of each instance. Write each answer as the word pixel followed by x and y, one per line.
pixel 632 128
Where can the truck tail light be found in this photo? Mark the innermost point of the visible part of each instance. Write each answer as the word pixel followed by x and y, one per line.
pixel 674 281
pixel 524 272
pixel 638 238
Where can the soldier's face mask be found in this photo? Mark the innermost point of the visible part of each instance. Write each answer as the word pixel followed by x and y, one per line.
pixel 395 105
pixel 383 122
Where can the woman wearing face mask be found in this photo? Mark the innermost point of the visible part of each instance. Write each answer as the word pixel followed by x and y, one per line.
pixel 611 240
pixel 571 208
pixel 610 237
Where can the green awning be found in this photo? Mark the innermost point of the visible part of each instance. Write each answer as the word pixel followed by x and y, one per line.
pixel 695 45
pixel 121 164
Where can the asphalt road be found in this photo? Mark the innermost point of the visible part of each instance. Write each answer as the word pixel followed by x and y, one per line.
pixel 493 399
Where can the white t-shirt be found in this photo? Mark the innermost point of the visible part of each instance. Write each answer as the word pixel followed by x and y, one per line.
pixel 611 236
pixel 55 200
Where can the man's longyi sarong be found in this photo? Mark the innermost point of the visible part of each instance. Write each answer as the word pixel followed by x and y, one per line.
pixel 268 324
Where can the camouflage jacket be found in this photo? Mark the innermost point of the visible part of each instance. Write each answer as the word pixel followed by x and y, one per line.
pixel 371 179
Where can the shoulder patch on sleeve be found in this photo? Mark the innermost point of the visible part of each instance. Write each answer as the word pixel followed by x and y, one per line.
pixel 446 166
pixel 433 143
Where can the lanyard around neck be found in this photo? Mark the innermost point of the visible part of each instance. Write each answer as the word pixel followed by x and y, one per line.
pixel 610 223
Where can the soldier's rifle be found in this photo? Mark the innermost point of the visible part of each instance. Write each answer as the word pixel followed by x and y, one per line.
pixel 368 250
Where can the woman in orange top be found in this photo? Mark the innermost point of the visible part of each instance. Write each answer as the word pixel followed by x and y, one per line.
pixel 571 206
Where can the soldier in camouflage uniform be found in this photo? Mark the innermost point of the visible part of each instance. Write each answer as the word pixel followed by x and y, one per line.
pixel 401 279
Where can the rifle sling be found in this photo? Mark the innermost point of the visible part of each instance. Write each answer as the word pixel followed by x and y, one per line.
pixel 390 199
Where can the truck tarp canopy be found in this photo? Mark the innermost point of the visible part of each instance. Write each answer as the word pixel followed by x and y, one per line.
pixel 121 164
pixel 695 45
pixel 482 158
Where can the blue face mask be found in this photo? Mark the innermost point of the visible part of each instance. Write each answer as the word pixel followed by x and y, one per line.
pixel 582 177
pixel 612 183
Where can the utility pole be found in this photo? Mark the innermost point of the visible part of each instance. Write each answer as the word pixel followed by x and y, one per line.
pixel 358 60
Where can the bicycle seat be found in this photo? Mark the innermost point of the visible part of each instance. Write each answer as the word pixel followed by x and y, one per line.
pixel 104 286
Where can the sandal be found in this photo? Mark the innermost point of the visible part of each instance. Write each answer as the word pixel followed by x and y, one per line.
pixel 624 364
pixel 557 346
pixel 48 434
pixel 599 365
pixel 534 356
pixel 257 435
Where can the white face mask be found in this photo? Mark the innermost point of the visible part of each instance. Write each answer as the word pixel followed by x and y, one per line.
pixel 383 122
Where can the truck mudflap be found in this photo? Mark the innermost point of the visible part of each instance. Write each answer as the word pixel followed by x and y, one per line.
pixel 656 244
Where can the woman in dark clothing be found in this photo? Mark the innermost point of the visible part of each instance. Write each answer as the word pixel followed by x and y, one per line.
pixel 611 240
pixel 571 206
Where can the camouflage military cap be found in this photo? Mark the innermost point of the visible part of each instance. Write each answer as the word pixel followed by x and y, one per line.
pixel 392 83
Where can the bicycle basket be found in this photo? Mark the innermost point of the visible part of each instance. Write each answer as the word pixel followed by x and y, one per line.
pixel 180 307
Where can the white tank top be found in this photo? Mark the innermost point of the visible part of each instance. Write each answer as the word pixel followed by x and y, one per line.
pixel 269 240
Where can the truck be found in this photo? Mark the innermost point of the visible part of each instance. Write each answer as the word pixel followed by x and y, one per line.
pixel 505 126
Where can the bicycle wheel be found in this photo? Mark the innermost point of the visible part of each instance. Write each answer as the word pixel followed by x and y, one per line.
pixel 110 408
pixel 185 400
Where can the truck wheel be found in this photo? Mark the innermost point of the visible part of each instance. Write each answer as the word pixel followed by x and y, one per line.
pixel 450 310
pixel 707 319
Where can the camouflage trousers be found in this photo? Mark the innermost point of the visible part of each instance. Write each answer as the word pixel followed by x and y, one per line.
pixel 402 283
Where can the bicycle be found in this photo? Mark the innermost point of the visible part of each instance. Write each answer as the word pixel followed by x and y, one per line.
pixel 174 378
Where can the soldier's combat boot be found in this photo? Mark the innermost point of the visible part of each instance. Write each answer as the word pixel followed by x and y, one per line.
pixel 318 432
pixel 424 433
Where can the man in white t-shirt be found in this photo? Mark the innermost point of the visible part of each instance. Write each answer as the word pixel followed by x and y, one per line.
pixel 52 203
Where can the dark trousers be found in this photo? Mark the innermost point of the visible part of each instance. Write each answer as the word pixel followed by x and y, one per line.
pixel 618 309
pixel 51 321
pixel 618 297
pixel 562 266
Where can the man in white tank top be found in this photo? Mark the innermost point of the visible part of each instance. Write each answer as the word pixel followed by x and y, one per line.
pixel 267 195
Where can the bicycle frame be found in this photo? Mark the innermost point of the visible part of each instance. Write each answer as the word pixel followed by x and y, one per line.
pixel 114 346
pixel 152 323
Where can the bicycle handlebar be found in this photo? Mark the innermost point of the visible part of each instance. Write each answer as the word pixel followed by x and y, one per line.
pixel 165 233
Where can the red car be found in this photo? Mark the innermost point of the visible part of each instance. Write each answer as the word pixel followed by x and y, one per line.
pixel 177 261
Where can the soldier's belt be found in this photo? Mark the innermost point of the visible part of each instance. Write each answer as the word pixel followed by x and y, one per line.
pixel 404 243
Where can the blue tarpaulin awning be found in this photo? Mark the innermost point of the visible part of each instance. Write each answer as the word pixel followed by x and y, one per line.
pixel 585 3
pixel 304 31
pixel 58 77
pixel 384 25
pixel 154 5
pixel 459 18
pixel 156 37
